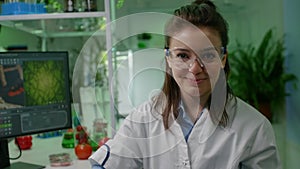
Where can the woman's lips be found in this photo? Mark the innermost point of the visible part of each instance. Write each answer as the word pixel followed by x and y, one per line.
pixel 197 81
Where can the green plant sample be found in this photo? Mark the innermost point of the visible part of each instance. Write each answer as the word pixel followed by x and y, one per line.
pixel 44 82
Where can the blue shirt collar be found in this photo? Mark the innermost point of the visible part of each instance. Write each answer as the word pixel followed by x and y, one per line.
pixel 183 116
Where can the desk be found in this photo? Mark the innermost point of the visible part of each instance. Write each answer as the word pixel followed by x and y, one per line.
pixel 40 151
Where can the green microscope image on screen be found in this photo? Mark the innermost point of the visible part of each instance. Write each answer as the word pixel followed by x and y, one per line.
pixel 43 82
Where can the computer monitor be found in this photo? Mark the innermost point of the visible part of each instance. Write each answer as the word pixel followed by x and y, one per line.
pixel 34 96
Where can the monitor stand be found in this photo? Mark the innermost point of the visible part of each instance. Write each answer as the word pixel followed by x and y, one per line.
pixel 5 162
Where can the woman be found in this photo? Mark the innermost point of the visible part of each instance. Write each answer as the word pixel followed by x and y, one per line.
pixel 195 122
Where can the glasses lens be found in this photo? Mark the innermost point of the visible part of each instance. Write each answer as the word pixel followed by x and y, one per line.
pixel 181 65
pixel 184 59
pixel 209 56
pixel 181 59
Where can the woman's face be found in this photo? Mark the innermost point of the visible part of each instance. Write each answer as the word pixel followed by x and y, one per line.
pixel 195 77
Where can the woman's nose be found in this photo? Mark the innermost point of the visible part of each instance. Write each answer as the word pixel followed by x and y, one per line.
pixel 196 66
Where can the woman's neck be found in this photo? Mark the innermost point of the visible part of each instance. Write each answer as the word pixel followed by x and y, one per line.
pixel 193 105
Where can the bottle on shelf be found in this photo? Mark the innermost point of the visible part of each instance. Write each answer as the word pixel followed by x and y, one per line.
pixel 91 5
pixel 70 6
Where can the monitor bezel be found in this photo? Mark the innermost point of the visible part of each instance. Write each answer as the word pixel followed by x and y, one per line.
pixel 37 56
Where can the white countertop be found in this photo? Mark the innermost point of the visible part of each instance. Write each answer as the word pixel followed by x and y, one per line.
pixel 40 151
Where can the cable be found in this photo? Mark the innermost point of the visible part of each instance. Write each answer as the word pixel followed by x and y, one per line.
pixel 20 151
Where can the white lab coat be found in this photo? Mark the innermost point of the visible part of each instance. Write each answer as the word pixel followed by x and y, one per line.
pixel 247 142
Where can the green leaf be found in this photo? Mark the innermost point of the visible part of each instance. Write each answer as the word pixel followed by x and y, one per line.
pixel 257 73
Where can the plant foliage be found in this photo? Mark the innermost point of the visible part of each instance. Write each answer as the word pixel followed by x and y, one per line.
pixel 257 73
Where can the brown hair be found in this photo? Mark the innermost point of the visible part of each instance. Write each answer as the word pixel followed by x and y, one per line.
pixel 201 13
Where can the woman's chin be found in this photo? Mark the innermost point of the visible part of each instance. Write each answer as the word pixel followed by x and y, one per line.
pixel 196 91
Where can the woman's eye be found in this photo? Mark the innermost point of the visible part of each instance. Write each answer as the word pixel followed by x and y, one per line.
pixel 208 56
pixel 182 56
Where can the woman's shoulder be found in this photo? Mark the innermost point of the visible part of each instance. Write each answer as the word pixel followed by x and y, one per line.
pixel 243 115
pixel 140 119
pixel 147 110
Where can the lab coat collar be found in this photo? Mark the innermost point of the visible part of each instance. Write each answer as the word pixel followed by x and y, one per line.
pixel 204 127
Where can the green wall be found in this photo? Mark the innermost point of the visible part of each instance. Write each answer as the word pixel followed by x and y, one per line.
pixel 11 36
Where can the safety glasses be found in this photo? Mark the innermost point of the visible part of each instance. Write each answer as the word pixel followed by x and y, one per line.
pixel 183 58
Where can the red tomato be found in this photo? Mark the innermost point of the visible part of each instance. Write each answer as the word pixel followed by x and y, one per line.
pixel 83 151
pixel 79 128
pixel 24 142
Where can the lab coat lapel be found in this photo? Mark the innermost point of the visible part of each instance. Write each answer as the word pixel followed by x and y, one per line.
pixel 204 128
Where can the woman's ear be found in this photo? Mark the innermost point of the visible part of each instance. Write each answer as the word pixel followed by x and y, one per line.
pixel 224 60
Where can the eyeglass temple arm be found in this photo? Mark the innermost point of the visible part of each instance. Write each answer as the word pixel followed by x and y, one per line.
pixel 167 51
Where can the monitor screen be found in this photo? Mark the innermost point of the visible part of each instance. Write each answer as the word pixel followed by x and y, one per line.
pixel 34 93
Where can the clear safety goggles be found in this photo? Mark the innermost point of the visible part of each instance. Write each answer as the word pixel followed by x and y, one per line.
pixel 182 58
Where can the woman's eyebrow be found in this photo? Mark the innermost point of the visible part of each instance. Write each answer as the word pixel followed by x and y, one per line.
pixel 189 50
pixel 180 49
pixel 209 48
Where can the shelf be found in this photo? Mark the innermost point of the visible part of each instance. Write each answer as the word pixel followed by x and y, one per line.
pixel 73 34
pixel 58 24
pixel 75 24
pixel 52 16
